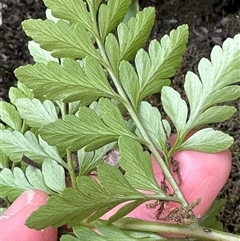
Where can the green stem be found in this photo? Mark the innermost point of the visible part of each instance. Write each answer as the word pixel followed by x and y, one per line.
pixel 24 127
pixel 64 109
pixel 7 162
pixel 177 143
pixel 135 118
pixel 71 168
pixel 156 154
pixel 138 123
pixel 131 110
pixel 183 231
pixel 193 230
pixel 14 164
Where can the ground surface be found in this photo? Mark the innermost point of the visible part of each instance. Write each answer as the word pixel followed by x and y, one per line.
pixel 210 23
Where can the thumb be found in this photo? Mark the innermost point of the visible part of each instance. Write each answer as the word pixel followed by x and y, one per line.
pixel 12 221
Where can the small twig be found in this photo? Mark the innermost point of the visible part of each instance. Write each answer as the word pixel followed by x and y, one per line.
pixel 30 162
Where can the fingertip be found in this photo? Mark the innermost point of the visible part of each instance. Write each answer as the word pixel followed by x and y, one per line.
pixel 29 197
pixel 13 220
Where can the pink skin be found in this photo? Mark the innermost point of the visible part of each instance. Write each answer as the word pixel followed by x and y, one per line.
pixel 12 221
pixel 203 176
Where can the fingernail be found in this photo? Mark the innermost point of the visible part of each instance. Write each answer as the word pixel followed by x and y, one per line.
pixel 23 200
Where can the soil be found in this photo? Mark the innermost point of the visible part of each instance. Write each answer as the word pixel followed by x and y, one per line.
pixel 210 23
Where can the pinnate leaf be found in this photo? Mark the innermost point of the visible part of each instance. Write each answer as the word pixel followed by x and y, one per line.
pixel 91 199
pixel 4 160
pixel 208 140
pixel 10 115
pixel 15 93
pixel 112 51
pixel 138 166
pixel 133 9
pixel 88 129
pixel 20 92
pixel 175 107
pixel 52 178
pixel 94 5
pixel 74 133
pixel 40 55
pixel 108 175
pixel 74 205
pixel 111 14
pixel 54 175
pixel 61 38
pixel 14 183
pixel 36 179
pixel 75 83
pixel 153 124
pixel 36 113
pixel 159 64
pixel 135 33
pixel 88 161
pixel 123 211
pixel 215 114
pixel 73 11
pixel 129 81
pixel 155 67
pixel 108 233
pixel 112 117
pixel 215 85
pixel 14 144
